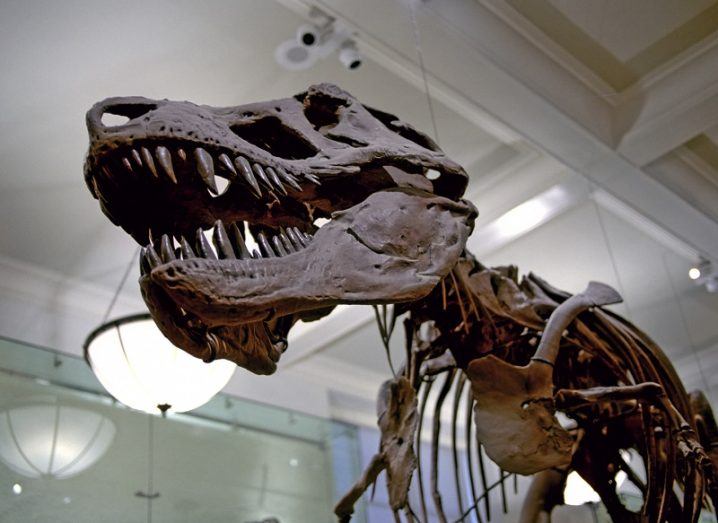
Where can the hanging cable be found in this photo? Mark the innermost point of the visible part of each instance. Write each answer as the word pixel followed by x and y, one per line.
pixel 150 467
pixel 609 249
pixel 420 56
pixel 120 286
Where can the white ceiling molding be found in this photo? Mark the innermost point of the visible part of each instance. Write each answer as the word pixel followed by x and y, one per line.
pixel 689 176
pixel 698 164
pixel 549 47
pixel 675 108
pixel 645 225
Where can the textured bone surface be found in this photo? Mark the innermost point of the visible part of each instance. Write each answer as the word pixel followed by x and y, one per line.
pixel 255 217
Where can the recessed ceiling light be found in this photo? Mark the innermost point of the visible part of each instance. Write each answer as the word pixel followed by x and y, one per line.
pixel 294 462
pixel 17 489
pixel 694 273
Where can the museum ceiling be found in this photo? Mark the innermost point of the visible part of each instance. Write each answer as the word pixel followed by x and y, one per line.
pixel 616 128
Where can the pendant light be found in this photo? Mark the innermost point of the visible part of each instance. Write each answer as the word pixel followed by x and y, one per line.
pixel 141 368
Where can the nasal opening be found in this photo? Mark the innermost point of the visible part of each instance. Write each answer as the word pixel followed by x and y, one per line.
pixel 114 112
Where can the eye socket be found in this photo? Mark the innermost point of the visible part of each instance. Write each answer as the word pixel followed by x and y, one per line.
pixel 322 110
pixel 271 135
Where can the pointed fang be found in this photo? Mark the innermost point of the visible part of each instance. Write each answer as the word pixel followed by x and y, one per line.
pixel 165 159
pixel 149 162
pixel 205 166
pixel 221 242
pixel 275 179
pixel 167 249
pixel 203 246
pixel 243 252
pixel 186 249
pixel 264 244
pixel 243 165
pixel 225 162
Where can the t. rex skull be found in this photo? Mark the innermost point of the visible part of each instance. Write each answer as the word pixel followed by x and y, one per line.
pixel 392 235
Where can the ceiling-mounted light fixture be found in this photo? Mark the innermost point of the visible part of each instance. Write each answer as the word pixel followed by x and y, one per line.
pixel 45 439
pixel 316 40
pixel 144 370
pixel 349 55
pixel 705 274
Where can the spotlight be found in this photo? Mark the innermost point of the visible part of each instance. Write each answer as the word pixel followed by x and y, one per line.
pixel 308 35
pixel 349 55
pixel 316 40
pixel 705 274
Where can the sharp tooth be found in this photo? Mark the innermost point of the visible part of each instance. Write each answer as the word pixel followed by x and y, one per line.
pixel 300 237
pixel 127 164
pixel 264 244
pixel 225 162
pixel 287 244
pixel 151 236
pixel 256 254
pixel 167 249
pixel 136 157
pixel 203 247
pixel 205 166
pixel 147 157
pixel 221 241
pixel 275 179
pixel 312 178
pixel 152 257
pixel 259 171
pixel 246 170
pixel 284 175
pixel 298 244
pixel 278 247
pixel 186 249
pixel 308 237
pixel 144 263
pixel 182 154
pixel 165 159
pixel 239 242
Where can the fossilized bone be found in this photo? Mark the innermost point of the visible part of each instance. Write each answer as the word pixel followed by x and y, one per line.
pixel 519 350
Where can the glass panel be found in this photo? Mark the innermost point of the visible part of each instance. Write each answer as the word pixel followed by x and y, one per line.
pixel 68 453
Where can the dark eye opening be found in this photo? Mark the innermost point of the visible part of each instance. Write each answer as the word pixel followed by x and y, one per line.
pixel 322 110
pixel 271 135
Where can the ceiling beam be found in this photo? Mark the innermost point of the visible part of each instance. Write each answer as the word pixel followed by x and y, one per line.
pixel 656 117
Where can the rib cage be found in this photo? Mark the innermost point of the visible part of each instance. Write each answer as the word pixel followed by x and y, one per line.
pixel 618 354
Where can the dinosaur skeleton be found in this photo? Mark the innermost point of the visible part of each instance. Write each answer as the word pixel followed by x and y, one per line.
pixel 514 351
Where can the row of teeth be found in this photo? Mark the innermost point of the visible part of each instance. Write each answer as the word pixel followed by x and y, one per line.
pixel 228 245
pixel 254 175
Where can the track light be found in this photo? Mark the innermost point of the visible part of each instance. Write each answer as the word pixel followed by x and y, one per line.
pixel 317 39
pixel 308 35
pixel 349 56
pixel 705 274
